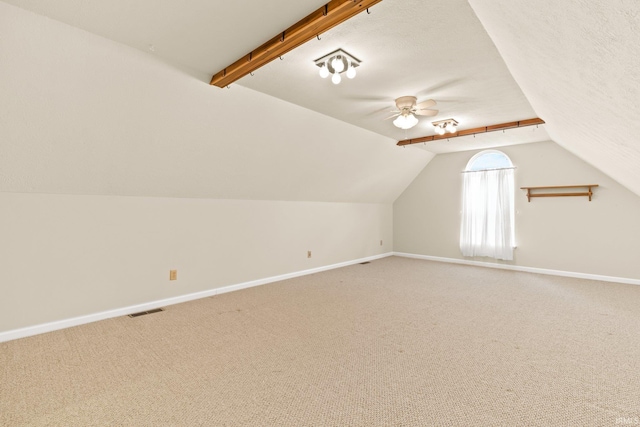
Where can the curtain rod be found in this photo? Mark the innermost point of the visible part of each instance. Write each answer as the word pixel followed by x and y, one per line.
pixel 485 170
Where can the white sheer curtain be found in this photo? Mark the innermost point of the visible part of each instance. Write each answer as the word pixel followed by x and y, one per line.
pixel 487 214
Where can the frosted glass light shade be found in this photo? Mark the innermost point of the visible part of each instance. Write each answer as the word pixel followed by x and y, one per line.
pixel 405 122
pixel 336 79
pixel 324 71
pixel 351 72
pixel 411 121
pixel 337 64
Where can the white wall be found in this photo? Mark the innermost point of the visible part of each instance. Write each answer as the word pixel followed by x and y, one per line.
pixel 86 122
pixel 65 256
pixel 559 233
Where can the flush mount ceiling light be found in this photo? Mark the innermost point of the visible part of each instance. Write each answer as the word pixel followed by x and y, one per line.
pixel 443 126
pixel 336 63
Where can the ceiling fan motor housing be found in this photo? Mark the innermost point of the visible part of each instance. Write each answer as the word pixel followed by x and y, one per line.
pixel 406 102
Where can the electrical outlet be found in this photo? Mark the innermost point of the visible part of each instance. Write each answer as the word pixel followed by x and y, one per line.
pixel 308 254
pixel 173 274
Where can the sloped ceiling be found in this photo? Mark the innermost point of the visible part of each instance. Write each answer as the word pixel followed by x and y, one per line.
pixel 205 35
pixel 81 114
pixel 578 64
pixel 436 49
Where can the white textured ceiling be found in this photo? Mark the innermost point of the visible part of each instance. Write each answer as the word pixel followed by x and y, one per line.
pixel 436 49
pixel 578 64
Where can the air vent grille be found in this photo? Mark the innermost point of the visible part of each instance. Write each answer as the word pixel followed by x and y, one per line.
pixel 142 313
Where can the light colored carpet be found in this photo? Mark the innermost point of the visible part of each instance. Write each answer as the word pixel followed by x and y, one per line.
pixel 397 342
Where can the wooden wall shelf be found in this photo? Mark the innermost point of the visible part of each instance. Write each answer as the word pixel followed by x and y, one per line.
pixel 587 193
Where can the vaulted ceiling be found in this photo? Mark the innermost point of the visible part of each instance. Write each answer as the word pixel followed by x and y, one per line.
pixel 577 62
pixel 436 49
pixel 572 64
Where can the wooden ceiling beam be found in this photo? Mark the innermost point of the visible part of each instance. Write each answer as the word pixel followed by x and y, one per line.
pixel 474 131
pixel 323 19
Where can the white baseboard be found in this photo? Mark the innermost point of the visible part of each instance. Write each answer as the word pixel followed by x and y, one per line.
pixel 523 268
pixel 75 321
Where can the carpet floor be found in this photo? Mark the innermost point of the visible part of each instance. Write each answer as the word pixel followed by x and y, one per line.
pixel 397 342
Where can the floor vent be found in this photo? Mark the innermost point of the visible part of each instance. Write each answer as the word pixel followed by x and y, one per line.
pixel 366 262
pixel 142 313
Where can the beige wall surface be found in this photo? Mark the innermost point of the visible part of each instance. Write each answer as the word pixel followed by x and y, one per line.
pixel 225 185
pixel 65 256
pixel 560 233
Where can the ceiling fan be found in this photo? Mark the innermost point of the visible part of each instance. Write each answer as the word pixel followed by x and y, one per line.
pixel 408 109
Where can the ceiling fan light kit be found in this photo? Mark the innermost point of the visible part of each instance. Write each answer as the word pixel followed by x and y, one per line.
pixel 336 63
pixel 443 126
pixel 405 121
pixel 408 109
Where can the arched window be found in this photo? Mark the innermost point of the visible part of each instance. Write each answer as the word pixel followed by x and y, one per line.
pixel 487 227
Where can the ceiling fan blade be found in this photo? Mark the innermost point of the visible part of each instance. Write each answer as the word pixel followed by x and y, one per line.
pixel 369 98
pixel 426 104
pixel 380 111
pixel 425 112
pixel 391 117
